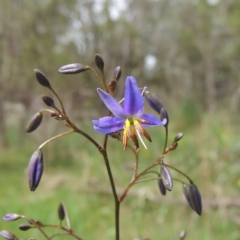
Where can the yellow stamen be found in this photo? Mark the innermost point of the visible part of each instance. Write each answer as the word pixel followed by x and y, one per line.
pixel 134 130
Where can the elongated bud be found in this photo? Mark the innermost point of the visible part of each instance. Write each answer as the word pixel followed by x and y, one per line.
pixel 11 217
pixel 73 68
pixel 61 211
pixel 35 169
pixel 161 187
pixel 156 104
pixel 178 137
pixel 24 227
pixel 42 79
pixel 166 177
pixel 99 62
pixel 48 101
pixel 7 235
pixel 193 197
pixel 34 123
pixel 182 235
pixel 117 73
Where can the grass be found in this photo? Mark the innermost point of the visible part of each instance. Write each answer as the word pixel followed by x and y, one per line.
pixel 74 173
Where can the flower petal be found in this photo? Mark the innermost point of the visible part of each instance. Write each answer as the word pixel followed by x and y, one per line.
pixel 108 124
pixel 151 120
pixel 111 104
pixel 133 99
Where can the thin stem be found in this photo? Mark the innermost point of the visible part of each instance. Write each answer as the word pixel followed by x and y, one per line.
pixel 103 151
pixel 59 99
pixel 182 173
pixel 157 178
pixel 54 138
pixel 166 138
pixel 67 230
pixel 102 83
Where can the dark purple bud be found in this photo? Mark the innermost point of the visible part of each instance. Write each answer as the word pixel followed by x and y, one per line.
pixel 193 197
pixel 117 73
pixel 11 217
pixel 183 235
pixel 48 101
pixel 24 227
pixel 42 79
pixel 156 104
pixel 178 137
pixel 166 177
pixel 161 187
pixel 73 68
pixel 99 62
pixel 61 211
pixel 35 169
pixel 34 123
pixel 7 235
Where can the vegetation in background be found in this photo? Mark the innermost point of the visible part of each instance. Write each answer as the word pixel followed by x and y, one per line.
pixel 187 51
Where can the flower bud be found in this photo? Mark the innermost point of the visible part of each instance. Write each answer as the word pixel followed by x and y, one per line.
pixel 73 68
pixel 42 79
pixel 99 62
pixel 24 227
pixel 161 187
pixel 193 197
pixel 117 73
pixel 166 177
pixel 156 104
pixel 35 169
pixel 11 217
pixel 61 211
pixel 7 235
pixel 48 101
pixel 34 123
pixel 178 137
pixel 164 115
pixel 183 235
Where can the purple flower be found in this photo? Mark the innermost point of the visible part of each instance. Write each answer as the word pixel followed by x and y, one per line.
pixel 129 118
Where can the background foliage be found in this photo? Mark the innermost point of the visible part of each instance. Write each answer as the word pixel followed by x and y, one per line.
pixel 187 52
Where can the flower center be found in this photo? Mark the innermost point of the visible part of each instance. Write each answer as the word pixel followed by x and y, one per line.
pixel 134 130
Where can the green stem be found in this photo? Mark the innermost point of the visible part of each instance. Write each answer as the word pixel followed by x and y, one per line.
pixel 182 173
pixel 54 138
pixel 103 151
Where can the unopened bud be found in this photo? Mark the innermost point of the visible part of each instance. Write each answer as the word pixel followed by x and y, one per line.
pixel 34 123
pixel 61 211
pixel 183 235
pixel 166 177
pixel 193 197
pixel 7 235
pixel 161 187
pixel 156 104
pixel 178 137
pixel 24 227
pixel 48 101
pixel 11 217
pixel 99 62
pixel 73 68
pixel 42 79
pixel 117 73
pixel 35 169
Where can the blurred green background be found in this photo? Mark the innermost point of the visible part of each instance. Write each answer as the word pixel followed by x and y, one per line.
pixel 187 52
